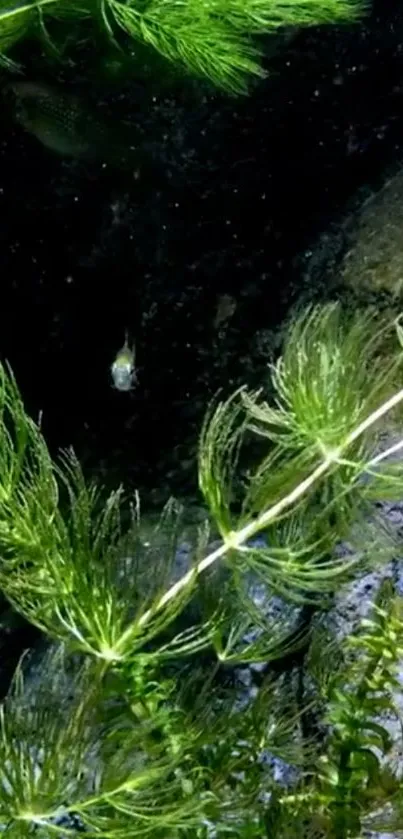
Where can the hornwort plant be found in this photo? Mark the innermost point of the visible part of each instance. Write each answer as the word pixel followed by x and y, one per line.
pixel 220 40
pixel 125 729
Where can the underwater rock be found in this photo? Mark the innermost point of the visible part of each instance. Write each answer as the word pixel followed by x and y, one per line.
pixel 359 256
pixel 374 260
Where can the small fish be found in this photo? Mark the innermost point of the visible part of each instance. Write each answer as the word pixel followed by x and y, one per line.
pixel 123 370
pixel 65 124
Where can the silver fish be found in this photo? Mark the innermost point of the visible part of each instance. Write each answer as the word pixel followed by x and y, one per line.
pixel 123 369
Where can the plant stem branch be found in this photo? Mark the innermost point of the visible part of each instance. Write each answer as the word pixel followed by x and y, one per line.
pixel 237 539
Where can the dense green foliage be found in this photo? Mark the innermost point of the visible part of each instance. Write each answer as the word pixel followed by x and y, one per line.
pixel 124 730
pixel 217 39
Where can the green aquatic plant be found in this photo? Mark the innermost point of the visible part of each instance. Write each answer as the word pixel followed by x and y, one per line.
pixel 126 728
pixel 216 39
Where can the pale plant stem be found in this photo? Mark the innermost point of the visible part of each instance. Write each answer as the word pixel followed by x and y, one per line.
pixel 387 453
pixel 237 539
pixel 374 417
pixel 23 9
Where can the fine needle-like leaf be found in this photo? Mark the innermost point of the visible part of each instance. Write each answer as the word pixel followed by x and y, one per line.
pixel 320 433
pixel 52 767
pixel 45 741
pixel 75 575
pixel 80 579
pixel 70 566
pixel 214 40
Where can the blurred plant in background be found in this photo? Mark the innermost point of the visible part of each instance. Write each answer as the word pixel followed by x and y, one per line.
pixel 220 40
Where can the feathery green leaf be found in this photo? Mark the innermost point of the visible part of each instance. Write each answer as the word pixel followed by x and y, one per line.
pixel 215 39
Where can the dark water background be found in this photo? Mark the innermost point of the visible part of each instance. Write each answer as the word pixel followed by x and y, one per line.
pixel 86 252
